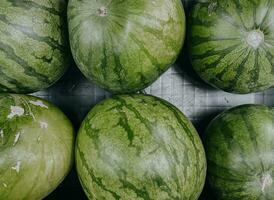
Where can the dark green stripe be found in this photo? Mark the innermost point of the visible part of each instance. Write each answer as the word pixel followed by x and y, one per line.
pixel 239 71
pixel 253 136
pixel 255 74
pixel 118 69
pixel 255 25
pixel 212 52
pixel 95 180
pixel 239 10
pixel 28 31
pixel 187 131
pixel 126 184
pixel 159 34
pixel 93 134
pixel 123 122
pixel 222 14
pixel 164 187
pixel 86 190
pixel 27 5
pixel 151 58
pixel 17 84
pixel 199 40
pixel 134 111
pixel 227 68
pixel 104 60
pixel 269 58
pixel 230 140
pixel 223 172
pixel 269 8
pixel 27 68
pixel 140 44
pixel 218 77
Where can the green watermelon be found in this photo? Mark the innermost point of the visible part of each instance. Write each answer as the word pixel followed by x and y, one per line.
pixel 33 44
pixel 231 44
pixel 123 46
pixel 139 147
pixel 36 147
pixel 240 148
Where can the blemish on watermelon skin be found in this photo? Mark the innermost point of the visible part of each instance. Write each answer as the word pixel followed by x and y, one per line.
pixel 17 167
pixel 16 139
pixel 43 125
pixel 38 103
pixel 15 111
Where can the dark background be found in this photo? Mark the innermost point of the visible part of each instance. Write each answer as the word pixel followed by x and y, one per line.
pixel 71 189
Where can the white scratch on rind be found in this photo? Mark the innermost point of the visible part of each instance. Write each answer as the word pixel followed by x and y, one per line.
pixel 5 185
pixel 17 166
pixel 1 133
pixel 266 182
pixel 17 136
pixel 43 125
pixel 15 111
pixel 38 103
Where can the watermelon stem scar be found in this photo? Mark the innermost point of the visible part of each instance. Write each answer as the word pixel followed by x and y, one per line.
pixel 102 11
pixel 255 38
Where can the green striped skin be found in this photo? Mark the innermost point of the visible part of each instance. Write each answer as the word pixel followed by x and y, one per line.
pixel 34 48
pixel 139 147
pixel 36 147
pixel 223 51
pixel 240 148
pixel 124 46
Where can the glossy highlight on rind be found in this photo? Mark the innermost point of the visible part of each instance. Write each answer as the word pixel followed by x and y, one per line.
pixel 36 147
pixel 231 44
pixel 34 50
pixel 240 147
pixel 133 147
pixel 127 46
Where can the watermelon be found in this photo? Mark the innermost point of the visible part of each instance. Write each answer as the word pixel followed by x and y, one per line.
pixel 231 44
pixel 33 44
pixel 36 147
pixel 123 46
pixel 139 147
pixel 240 148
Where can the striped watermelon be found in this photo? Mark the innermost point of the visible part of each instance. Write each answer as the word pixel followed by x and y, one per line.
pixel 36 147
pixel 33 44
pixel 123 46
pixel 139 147
pixel 232 44
pixel 240 149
